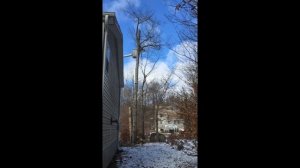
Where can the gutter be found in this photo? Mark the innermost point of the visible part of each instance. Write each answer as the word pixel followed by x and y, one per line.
pixel 104 42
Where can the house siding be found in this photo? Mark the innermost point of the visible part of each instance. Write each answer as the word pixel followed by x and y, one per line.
pixel 111 106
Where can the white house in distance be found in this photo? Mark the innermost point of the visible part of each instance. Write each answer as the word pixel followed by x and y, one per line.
pixel 169 121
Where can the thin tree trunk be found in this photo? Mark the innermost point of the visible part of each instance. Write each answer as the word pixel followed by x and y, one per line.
pixel 142 110
pixel 156 117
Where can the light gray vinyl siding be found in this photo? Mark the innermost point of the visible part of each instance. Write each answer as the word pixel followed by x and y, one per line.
pixel 111 106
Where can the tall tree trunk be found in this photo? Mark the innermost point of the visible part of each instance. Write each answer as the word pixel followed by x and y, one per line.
pixel 136 84
pixel 156 116
pixel 142 110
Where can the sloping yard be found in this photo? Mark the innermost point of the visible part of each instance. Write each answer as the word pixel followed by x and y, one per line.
pixel 153 155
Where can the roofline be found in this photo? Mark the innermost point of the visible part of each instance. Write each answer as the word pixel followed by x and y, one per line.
pixel 113 24
pixel 115 21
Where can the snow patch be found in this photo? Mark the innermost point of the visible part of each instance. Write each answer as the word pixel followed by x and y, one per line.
pixel 152 155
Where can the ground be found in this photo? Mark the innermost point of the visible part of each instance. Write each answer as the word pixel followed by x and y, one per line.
pixel 153 155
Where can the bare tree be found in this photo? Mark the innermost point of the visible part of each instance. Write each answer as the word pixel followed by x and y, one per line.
pixel 186 103
pixel 145 74
pixel 158 91
pixel 145 22
pixel 125 116
pixel 184 14
pixel 128 92
pixel 146 37
pixel 184 17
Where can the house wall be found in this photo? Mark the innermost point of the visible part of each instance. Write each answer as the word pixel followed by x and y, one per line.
pixel 111 105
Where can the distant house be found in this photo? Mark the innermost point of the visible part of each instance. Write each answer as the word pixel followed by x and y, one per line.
pixel 112 78
pixel 169 121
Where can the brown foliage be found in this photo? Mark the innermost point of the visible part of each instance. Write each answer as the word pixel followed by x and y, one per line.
pixel 186 103
pixel 124 125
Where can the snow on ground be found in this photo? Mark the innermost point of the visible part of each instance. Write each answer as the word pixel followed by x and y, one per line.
pixel 189 146
pixel 153 155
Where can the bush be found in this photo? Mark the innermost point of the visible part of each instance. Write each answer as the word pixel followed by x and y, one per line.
pixel 161 138
pixel 180 146
pixel 172 139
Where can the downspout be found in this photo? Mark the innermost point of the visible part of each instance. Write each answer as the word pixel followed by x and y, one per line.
pixel 104 42
pixel 119 109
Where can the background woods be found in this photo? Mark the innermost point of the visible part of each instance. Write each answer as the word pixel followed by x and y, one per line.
pixel 155 94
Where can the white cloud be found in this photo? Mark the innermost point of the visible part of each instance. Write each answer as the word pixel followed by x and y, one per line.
pixel 175 58
pixel 163 68
pixel 186 48
pixel 161 71
pixel 179 76
pixel 171 58
pixel 129 69
pixel 119 5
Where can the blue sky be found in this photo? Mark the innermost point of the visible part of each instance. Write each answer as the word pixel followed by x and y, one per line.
pixel 167 57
